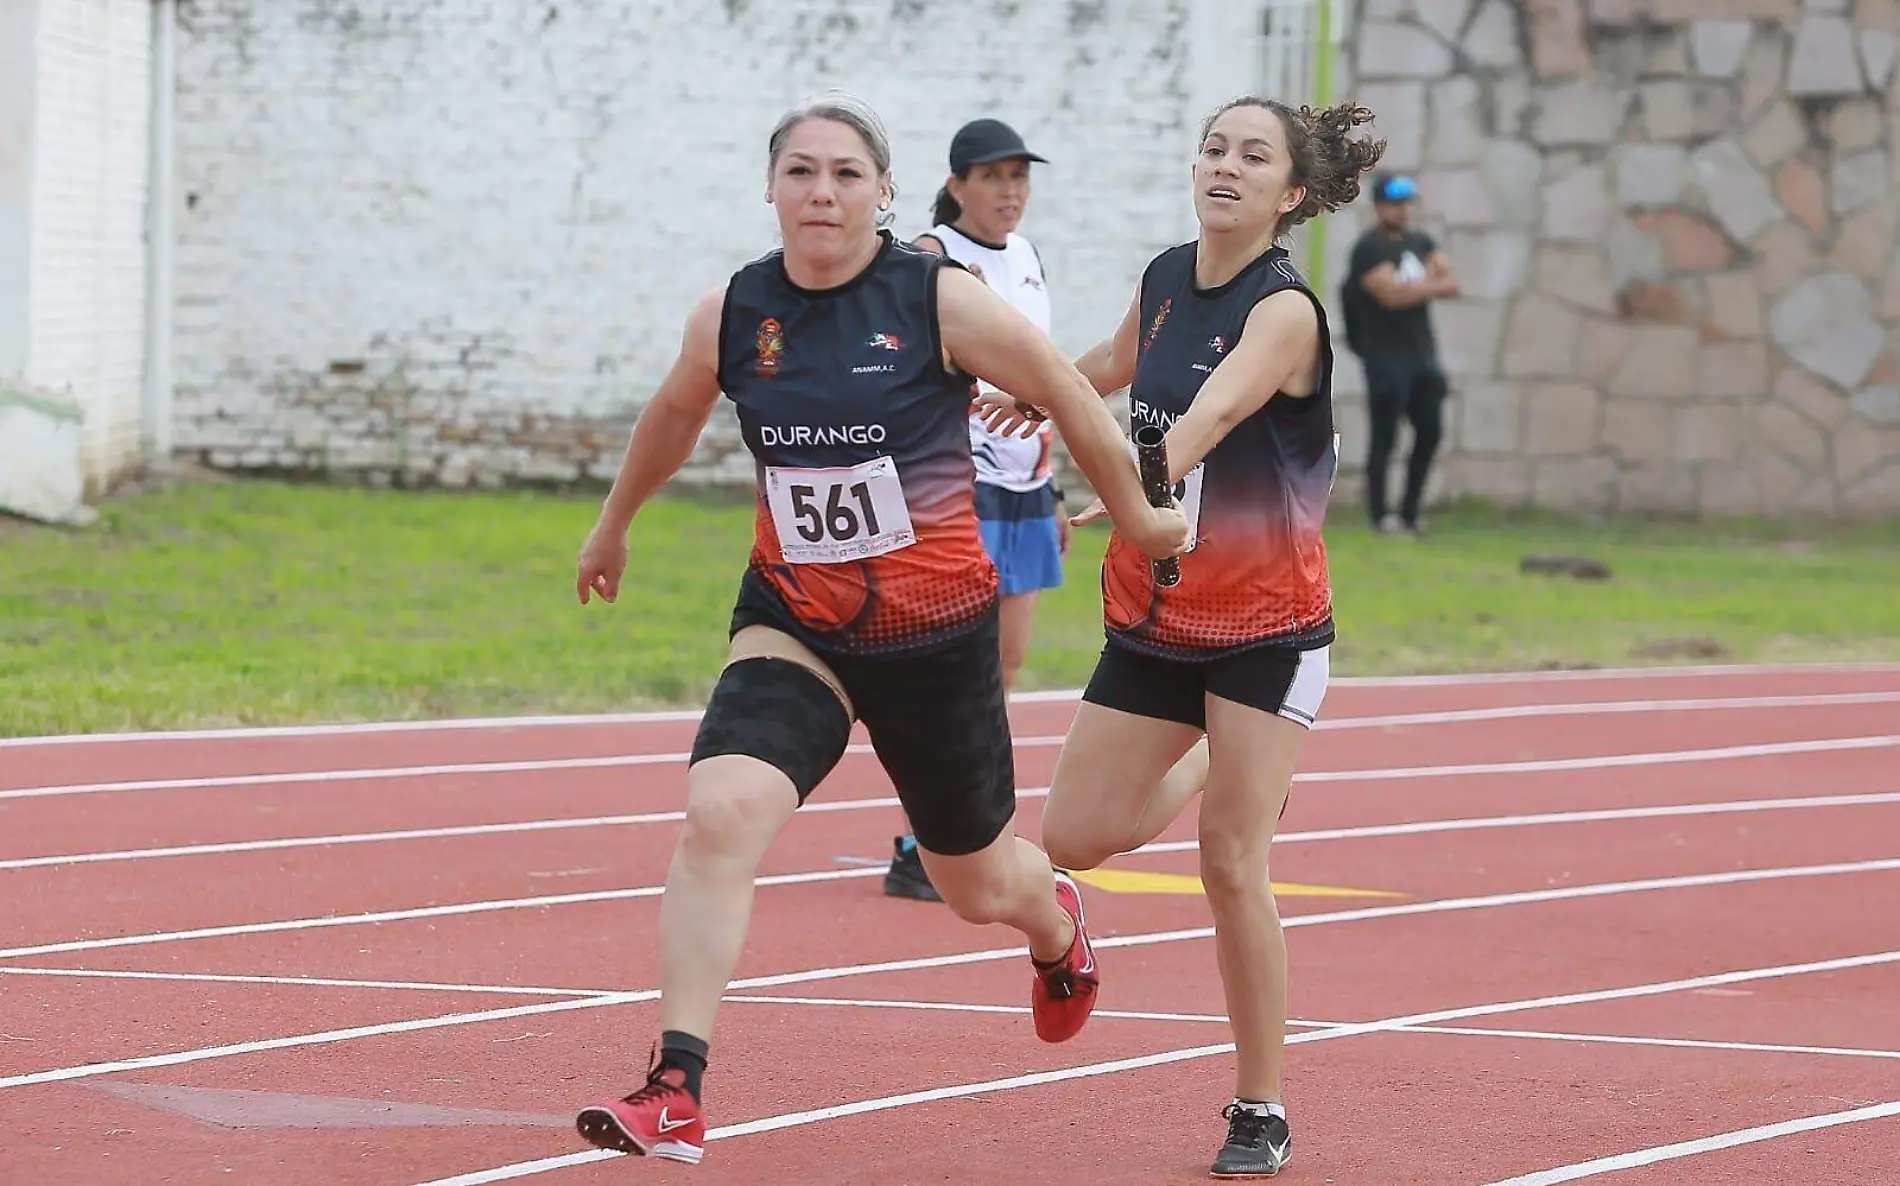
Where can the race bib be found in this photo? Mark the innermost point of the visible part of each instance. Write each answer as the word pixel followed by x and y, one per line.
pixel 1187 496
pixel 829 516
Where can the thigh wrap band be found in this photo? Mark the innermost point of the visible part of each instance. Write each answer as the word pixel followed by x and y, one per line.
pixel 780 712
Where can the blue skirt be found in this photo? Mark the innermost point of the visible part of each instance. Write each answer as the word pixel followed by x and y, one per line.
pixel 1022 537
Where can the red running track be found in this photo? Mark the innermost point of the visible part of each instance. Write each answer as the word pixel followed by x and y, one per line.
pixel 1620 918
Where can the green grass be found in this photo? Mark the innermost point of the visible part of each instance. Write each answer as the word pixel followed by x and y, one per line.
pixel 253 603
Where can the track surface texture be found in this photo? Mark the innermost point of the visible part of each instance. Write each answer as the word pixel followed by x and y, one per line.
pixel 1632 927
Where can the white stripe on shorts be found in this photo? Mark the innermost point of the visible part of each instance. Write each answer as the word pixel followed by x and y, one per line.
pixel 1308 689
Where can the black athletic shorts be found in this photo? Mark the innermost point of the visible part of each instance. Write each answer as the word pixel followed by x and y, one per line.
pixel 939 723
pixel 1280 680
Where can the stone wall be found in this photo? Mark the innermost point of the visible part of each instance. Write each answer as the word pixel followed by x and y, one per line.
pixel 1676 228
pixel 427 241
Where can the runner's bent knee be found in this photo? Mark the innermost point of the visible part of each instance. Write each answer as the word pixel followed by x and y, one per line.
pixel 978 896
pixel 1078 849
pixel 734 808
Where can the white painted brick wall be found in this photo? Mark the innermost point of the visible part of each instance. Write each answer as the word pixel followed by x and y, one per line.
pixel 87 309
pixel 459 241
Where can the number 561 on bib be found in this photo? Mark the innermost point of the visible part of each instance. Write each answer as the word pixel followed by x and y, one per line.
pixel 830 516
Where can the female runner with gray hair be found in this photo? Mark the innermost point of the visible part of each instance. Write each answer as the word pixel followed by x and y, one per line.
pixel 849 357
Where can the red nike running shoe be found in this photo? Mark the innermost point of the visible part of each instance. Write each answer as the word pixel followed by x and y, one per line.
pixel 661 1119
pixel 1064 993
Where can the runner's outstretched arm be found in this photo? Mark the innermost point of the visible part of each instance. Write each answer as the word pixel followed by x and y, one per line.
pixel 986 336
pixel 669 426
pixel 1109 366
pixel 663 438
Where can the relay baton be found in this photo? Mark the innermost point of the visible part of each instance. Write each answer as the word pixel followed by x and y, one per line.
pixel 1151 456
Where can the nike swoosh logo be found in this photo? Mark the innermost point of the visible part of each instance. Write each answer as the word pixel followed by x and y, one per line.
pixel 1279 1151
pixel 668 1125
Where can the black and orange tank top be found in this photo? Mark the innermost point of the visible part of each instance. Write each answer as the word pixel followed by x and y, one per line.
pixel 866 538
pixel 1256 573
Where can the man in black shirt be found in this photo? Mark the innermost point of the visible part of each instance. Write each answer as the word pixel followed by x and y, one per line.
pixel 1396 273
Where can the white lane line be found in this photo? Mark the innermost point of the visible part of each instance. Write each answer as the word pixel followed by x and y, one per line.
pixel 1387 721
pixel 178 1058
pixel 1612 674
pixel 1552 818
pixel 1608 761
pixel 347 838
pixel 934 1006
pixel 993 954
pixel 356 729
pixel 378 916
pixel 965 1007
pixel 1065 695
pixel 343 838
pixel 304 981
pixel 1576 892
pixel 826 875
pixel 367 774
pixel 1727 1140
pixel 500 724
pixel 1015 1082
pixel 1635 1040
pixel 1868 799
pixel 1656 988
pixel 371 774
pixel 1591 1039
pixel 1513 712
pixel 1587 762
pixel 379 773
pixel 857 1108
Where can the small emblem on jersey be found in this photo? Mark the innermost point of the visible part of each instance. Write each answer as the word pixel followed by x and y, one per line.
pixel 770 342
pixel 1161 318
pixel 884 342
pixel 975 270
pixel 1033 281
pixel 1218 344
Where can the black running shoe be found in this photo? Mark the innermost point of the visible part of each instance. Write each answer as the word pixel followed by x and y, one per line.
pixel 1258 1145
pixel 906 877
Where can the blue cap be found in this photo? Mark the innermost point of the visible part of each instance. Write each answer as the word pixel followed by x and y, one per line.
pixel 1396 189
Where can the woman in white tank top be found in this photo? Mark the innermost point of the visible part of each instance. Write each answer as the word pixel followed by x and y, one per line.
pixel 1018 505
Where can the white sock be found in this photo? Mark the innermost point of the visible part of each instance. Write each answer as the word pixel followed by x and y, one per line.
pixel 1261 1109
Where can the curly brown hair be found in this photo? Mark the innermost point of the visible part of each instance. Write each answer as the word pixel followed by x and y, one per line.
pixel 1327 160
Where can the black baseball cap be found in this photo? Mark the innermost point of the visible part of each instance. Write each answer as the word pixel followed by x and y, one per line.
pixel 984 140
